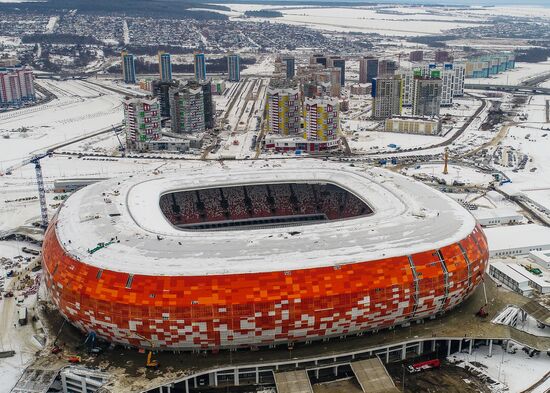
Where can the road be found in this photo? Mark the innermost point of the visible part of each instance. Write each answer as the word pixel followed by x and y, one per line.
pixel 510 88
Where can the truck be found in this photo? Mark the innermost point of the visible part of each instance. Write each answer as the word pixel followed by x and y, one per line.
pixel 22 316
pixel 30 251
pixel 426 365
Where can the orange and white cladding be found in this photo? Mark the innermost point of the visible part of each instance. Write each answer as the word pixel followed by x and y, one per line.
pixel 217 311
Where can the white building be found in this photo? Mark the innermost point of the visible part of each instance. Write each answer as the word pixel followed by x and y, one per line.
pixel 517 239
pixel 407 79
pixel 141 122
pixel 498 216
pixel 16 86
pixel 412 125
pixel 82 380
pixel 511 278
pixel 542 258
pixel 539 284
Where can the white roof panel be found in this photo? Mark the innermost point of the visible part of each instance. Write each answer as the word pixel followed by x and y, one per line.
pixel 408 217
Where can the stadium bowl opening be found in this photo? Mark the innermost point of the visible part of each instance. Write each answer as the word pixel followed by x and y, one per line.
pixel 251 206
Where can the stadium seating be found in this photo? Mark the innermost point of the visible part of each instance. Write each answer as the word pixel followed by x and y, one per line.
pixel 260 201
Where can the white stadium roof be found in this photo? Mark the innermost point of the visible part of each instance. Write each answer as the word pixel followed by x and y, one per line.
pixel 408 217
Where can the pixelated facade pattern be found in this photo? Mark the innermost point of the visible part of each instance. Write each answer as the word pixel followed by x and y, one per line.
pixel 255 309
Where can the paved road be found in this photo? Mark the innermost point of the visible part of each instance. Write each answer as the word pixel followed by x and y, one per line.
pixel 487 86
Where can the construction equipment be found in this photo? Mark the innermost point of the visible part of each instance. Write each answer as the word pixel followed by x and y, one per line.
pixel 534 270
pixel 427 365
pixel 446 162
pixel 482 312
pixel 39 180
pixel 121 148
pixel 151 363
pixel 74 359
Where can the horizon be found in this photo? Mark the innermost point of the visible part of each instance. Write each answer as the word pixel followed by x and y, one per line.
pixel 485 3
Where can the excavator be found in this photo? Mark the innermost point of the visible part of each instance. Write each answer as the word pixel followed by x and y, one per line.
pixel 151 363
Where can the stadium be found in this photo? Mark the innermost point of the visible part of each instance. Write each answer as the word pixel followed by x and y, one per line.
pixel 258 254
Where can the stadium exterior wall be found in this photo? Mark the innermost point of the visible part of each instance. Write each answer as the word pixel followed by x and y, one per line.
pixel 255 309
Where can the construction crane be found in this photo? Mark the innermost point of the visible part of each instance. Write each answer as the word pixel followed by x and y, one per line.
pixel 39 181
pixel 122 149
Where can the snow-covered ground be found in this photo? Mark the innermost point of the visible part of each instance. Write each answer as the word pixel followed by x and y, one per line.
pixel 456 173
pixel 80 109
pixel 514 371
pixel 12 335
pixel 533 139
pixel 375 141
pixel 360 19
pixel 22 183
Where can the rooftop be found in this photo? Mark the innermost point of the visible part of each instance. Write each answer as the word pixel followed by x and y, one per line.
pixel 408 217
pixel 518 236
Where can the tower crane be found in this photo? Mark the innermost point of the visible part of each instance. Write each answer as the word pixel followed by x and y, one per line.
pixel 39 181
pixel 121 148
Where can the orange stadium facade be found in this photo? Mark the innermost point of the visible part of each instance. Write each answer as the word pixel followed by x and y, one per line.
pixel 280 303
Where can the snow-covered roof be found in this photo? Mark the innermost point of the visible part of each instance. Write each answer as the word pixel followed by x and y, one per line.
pixel 408 217
pixel 514 275
pixel 518 236
pixel 497 213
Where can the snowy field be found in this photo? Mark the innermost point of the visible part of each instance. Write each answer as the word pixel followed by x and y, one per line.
pixel 532 138
pixel 22 183
pixel 461 174
pixel 12 336
pixel 378 141
pixel 359 19
pixel 80 109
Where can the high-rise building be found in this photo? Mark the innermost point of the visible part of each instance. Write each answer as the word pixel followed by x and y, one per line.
pixel 387 68
pixel 338 62
pixel 407 76
pixel 283 107
pixel 141 122
pixel 459 73
pixel 485 65
pixel 427 95
pixel 368 69
pixel 234 67
pixel 187 108
pixel 442 56
pixel 321 122
pixel 200 66
pixel 165 67
pixel 161 90
pixel 387 97
pixel 451 75
pixel 16 86
pixel 319 59
pixel 447 76
pixel 416 55
pixel 128 67
pixel 290 66
pixel 335 81
pixel 208 103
